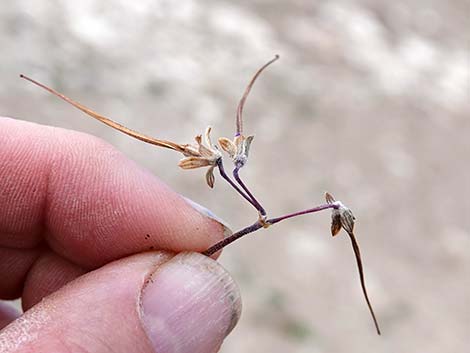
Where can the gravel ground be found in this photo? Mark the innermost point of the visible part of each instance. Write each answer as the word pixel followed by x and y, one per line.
pixel 370 100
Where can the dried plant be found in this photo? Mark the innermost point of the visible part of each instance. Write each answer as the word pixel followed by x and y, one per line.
pixel 206 154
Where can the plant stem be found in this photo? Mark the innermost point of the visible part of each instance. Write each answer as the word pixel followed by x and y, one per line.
pixel 223 243
pixel 299 213
pixel 255 202
pixel 224 175
pixel 254 227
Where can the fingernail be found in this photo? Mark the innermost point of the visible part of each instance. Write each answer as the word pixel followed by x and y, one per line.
pixel 189 304
pixel 209 214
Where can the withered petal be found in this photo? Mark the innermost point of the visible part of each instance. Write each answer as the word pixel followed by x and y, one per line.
pixel 335 224
pixel 246 145
pixel 347 220
pixel 238 141
pixel 228 146
pixel 205 152
pixel 210 179
pixel 208 136
pixel 193 162
pixel 329 198
pixel 190 150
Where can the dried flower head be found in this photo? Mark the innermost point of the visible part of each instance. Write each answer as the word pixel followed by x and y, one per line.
pixel 341 216
pixel 202 156
pixel 239 147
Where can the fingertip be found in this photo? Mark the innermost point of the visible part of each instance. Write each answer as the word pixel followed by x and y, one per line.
pixel 190 304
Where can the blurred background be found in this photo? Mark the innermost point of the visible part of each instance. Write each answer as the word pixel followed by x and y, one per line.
pixel 370 101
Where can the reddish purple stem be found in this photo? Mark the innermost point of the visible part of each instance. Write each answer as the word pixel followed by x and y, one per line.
pixel 224 175
pixel 254 202
pixel 254 227
pixel 300 213
pixel 223 243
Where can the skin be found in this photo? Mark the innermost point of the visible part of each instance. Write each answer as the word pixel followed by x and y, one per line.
pixel 89 230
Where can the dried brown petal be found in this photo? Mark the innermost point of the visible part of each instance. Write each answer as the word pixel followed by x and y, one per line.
pixel 246 146
pixel 190 150
pixel 347 219
pixel 335 224
pixel 208 136
pixel 329 198
pixel 193 162
pixel 205 152
pixel 228 146
pixel 210 179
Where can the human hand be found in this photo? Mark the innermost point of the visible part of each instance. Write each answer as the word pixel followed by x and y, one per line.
pixel 81 236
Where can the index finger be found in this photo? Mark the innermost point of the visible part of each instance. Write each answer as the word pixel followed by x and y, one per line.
pixel 87 201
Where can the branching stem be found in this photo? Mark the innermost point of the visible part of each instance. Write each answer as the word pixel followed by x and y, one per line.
pixel 262 223
pixel 300 213
pixel 224 175
pixel 259 224
pixel 255 202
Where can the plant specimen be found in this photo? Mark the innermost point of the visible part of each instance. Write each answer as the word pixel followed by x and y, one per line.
pixel 204 153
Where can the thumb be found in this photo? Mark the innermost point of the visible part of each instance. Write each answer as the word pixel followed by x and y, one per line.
pixel 151 302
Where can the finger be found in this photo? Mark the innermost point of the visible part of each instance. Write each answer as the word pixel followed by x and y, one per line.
pixel 48 274
pixel 87 201
pixel 14 267
pixel 7 315
pixel 145 303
